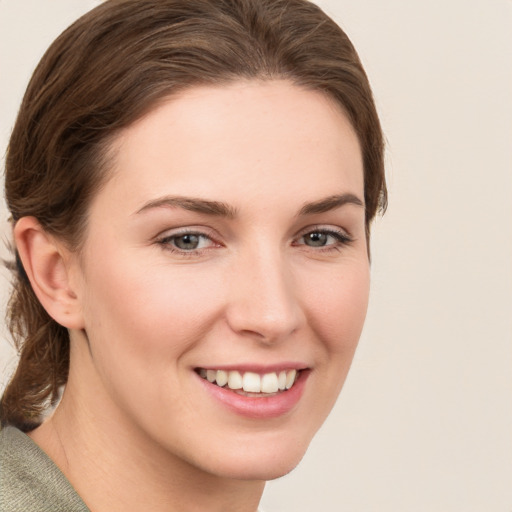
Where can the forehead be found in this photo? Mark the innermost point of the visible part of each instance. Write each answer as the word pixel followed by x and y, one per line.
pixel 238 140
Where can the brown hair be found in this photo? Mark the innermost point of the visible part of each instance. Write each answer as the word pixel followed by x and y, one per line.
pixel 107 70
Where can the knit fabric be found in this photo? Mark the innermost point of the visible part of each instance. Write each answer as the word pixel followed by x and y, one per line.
pixel 30 481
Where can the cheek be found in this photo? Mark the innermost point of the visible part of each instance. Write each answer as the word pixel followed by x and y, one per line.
pixel 142 325
pixel 147 315
pixel 338 309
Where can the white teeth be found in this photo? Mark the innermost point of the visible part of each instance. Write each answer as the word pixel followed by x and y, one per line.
pixel 269 383
pixel 290 378
pixel 251 382
pixel 282 381
pixel 222 378
pixel 235 380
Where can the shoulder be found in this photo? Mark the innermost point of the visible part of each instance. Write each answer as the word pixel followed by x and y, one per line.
pixel 29 480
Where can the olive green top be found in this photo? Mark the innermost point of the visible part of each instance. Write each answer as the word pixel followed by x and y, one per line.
pixel 30 481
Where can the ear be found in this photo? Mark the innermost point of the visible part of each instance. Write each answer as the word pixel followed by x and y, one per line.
pixel 49 266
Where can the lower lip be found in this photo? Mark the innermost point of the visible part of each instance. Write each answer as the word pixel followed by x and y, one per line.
pixel 259 407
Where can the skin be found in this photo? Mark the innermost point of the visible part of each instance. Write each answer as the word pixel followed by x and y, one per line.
pixel 135 428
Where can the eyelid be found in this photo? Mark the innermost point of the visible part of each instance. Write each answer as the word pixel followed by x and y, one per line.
pixel 187 230
pixel 341 239
pixel 325 228
pixel 163 239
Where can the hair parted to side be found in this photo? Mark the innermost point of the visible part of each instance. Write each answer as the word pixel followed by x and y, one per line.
pixel 107 70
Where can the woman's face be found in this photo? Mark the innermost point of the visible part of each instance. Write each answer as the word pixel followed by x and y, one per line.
pixel 228 245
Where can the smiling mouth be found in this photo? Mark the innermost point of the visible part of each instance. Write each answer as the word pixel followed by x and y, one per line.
pixel 250 383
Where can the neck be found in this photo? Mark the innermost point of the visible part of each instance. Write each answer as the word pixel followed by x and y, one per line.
pixel 113 466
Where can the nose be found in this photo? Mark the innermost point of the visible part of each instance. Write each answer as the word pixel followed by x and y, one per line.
pixel 263 302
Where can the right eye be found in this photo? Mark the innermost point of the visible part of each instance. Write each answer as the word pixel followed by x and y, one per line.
pixel 187 243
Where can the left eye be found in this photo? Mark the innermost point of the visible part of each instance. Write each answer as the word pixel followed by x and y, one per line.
pixel 323 238
pixel 188 241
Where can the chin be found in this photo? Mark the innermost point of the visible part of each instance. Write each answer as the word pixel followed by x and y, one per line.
pixel 271 473
pixel 262 472
pixel 259 463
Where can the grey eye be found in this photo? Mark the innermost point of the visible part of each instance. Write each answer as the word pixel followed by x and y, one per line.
pixel 316 239
pixel 187 242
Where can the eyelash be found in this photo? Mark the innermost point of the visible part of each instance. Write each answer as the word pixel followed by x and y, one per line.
pixel 166 243
pixel 341 239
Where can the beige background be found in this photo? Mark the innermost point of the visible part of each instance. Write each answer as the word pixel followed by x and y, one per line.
pixel 425 420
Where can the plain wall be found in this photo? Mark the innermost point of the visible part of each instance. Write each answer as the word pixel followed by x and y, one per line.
pixel 424 422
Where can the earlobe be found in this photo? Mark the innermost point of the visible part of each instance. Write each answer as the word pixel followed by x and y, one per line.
pixel 47 265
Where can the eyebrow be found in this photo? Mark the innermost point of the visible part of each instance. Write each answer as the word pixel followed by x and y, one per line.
pixel 192 204
pixel 330 203
pixel 220 209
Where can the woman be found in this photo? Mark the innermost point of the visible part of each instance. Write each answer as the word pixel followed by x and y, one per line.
pixel 191 185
